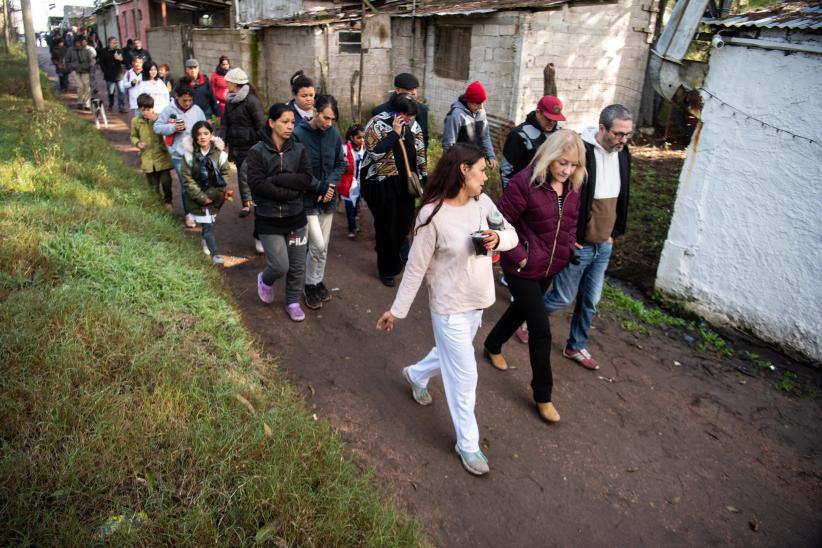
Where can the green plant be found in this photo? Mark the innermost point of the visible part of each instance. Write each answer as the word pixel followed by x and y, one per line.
pixel 754 358
pixel 712 341
pixel 788 383
pixel 620 303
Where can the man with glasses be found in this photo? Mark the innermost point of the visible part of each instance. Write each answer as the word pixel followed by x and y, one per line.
pixel 603 209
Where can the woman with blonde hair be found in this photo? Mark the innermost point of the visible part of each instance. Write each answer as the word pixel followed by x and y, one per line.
pixel 542 202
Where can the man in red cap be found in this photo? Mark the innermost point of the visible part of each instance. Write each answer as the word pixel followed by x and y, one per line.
pixel 524 140
pixel 466 123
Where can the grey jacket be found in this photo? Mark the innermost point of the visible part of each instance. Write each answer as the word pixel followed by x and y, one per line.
pixel 79 60
pixel 463 126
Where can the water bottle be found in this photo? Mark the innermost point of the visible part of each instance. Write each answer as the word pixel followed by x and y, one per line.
pixel 495 222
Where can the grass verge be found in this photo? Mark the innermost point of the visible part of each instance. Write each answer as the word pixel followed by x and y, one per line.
pixel 134 407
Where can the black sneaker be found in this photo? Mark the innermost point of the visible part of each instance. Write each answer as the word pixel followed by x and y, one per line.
pixel 323 292
pixel 312 297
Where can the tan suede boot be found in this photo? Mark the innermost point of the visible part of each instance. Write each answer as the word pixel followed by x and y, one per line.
pixel 548 412
pixel 497 360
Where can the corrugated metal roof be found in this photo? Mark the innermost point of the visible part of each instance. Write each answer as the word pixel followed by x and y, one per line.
pixel 351 11
pixel 788 15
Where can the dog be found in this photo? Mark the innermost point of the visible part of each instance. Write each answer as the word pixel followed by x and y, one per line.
pixel 98 110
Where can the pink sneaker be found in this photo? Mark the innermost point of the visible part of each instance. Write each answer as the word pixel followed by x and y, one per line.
pixel 265 292
pixel 522 334
pixel 582 357
pixel 295 312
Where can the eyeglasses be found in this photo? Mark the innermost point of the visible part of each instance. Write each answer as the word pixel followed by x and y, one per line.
pixel 621 135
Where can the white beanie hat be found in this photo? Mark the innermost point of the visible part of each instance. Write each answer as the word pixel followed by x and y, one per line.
pixel 236 76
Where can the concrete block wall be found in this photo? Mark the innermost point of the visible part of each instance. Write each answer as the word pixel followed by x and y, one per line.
pixel 408 54
pixel 495 45
pixel 598 57
pixel 166 46
pixel 287 50
pixel 210 44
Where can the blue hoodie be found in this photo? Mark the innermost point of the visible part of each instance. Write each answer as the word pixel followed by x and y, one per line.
pixel 328 163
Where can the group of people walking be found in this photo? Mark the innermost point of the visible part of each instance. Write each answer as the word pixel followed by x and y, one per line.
pixel 565 198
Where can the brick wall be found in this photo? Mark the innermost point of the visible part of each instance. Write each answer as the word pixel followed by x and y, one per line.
pixel 599 59
pixel 166 46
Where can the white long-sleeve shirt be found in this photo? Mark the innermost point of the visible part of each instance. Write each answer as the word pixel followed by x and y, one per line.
pixel 443 255
pixel 158 91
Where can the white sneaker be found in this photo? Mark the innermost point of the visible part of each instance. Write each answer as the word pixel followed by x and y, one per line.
pixel 190 221
pixel 205 247
pixel 218 260
pixel 258 245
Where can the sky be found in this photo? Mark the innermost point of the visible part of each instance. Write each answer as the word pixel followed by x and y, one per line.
pixel 41 12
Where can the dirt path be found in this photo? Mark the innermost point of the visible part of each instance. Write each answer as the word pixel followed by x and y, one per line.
pixel 675 451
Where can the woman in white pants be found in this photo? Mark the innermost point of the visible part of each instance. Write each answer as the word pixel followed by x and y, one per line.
pixel 459 276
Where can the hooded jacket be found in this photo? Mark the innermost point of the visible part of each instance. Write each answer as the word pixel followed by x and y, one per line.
pixel 327 163
pixel 279 179
pixel 588 189
pixel 547 235
pixel 164 125
pixel 242 122
pixel 463 126
pixel 521 145
pixel 198 192
pixel 204 97
pixel 155 156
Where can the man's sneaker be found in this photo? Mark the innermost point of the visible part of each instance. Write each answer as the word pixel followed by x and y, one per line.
pixel 190 223
pixel 476 463
pixel 206 250
pixel 522 334
pixel 323 292
pixel 582 357
pixel 312 297
pixel 265 292
pixel 218 260
pixel 258 245
pixel 418 391
pixel 295 312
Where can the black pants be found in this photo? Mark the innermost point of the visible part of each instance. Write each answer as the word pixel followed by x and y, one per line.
pixel 528 305
pixel 393 211
pixel 160 181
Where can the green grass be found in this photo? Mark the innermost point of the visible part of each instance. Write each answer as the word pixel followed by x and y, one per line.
pixel 493 186
pixel 126 372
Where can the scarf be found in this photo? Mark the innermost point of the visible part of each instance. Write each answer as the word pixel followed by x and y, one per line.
pixel 220 70
pixel 239 96
pixel 208 171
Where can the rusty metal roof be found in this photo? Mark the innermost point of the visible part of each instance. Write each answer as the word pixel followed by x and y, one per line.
pixel 351 11
pixel 788 15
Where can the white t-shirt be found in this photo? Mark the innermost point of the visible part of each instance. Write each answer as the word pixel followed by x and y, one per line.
pixel 158 91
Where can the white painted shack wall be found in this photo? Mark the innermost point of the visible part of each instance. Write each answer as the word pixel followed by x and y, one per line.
pixel 745 242
pixel 599 59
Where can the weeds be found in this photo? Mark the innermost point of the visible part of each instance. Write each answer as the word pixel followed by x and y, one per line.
pixel 713 342
pixel 754 358
pixel 123 362
pixel 788 383
pixel 618 302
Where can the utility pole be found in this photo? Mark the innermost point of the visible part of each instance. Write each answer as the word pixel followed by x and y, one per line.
pixel 31 50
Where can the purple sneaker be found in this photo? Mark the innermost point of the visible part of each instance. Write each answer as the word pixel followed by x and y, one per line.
pixel 295 312
pixel 266 292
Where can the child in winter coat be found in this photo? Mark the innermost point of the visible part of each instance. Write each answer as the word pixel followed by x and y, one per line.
pixel 154 157
pixel 205 175
pixel 349 188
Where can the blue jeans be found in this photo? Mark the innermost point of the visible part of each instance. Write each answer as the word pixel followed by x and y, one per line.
pixel 116 88
pixel 583 281
pixel 351 215
pixel 178 166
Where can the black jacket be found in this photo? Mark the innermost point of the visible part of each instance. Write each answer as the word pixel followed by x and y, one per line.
pixel 113 69
pixel 586 198
pixel 278 179
pixel 204 97
pixel 520 147
pixel 422 118
pixel 242 123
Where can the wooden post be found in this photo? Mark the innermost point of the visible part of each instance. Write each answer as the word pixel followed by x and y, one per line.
pixel 549 78
pixel 362 65
pixel 31 50
pixel 163 12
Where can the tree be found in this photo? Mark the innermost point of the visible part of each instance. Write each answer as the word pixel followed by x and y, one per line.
pixel 31 51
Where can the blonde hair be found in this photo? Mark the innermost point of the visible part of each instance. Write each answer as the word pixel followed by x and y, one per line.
pixel 556 145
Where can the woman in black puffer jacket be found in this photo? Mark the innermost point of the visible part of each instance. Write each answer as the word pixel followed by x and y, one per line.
pixel 242 122
pixel 278 171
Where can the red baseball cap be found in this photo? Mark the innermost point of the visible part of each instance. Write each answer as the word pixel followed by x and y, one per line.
pixel 551 108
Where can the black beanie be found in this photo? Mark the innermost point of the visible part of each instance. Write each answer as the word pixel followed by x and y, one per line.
pixel 406 81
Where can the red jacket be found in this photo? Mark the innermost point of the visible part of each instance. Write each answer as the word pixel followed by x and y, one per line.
pixel 220 88
pixel 547 237
pixel 344 186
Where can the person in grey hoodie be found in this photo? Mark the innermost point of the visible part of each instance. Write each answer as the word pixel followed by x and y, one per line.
pixel 466 122
pixel 174 123
pixel 324 145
